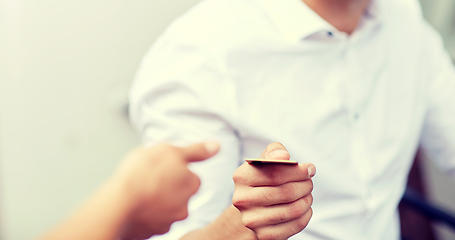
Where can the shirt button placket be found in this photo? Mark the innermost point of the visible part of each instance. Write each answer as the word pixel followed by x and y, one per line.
pixel 355 116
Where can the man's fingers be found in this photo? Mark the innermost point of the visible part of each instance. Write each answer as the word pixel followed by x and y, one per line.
pixel 255 175
pixel 267 216
pixel 200 151
pixel 275 150
pixel 246 197
pixel 284 230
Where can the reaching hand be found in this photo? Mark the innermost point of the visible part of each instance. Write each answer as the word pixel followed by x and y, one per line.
pixel 274 199
pixel 160 184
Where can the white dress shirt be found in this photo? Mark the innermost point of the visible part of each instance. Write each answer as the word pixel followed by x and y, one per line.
pixel 247 73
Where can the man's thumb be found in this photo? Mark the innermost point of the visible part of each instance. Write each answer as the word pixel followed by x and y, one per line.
pixel 200 151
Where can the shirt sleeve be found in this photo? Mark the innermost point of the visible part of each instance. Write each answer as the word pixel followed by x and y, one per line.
pixel 179 96
pixel 438 136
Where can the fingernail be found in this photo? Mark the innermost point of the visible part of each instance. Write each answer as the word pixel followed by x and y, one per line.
pixel 278 153
pixel 311 170
pixel 211 147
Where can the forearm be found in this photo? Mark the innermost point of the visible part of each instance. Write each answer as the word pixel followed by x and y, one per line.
pixel 101 218
pixel 227 226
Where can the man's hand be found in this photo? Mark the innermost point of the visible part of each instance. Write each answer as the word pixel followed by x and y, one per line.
pixel 159 184
pixel 274 200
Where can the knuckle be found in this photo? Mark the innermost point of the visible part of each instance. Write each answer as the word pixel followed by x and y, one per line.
pixel 305 219
pixel 287 192
pixel 248 221
pixel 195 183
pixel 236 201
pixel 301 224
pixel 264 235
pixel 237 177
pixel 240 175
pixel 183 214
pixel 310 182
pixel 239 201
pixel 308 199
pixel 296 210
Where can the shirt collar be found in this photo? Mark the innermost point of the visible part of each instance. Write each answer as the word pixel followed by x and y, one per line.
pixel 297 21
pixel 374 10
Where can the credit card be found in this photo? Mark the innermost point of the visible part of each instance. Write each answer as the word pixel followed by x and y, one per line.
pixel 258 160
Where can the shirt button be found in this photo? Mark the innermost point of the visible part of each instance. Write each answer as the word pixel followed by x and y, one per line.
pixel 355 116
pixel 329 33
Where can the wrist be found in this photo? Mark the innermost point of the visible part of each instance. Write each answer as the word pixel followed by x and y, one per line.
pixel 119 191
pixel 227 226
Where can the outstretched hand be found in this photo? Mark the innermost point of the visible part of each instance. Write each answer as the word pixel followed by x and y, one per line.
pixel 274 199
pixel 160 184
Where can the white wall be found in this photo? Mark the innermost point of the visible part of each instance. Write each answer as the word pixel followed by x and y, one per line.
pixel 69 64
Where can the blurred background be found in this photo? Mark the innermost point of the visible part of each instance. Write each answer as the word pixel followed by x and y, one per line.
pixel 65 71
